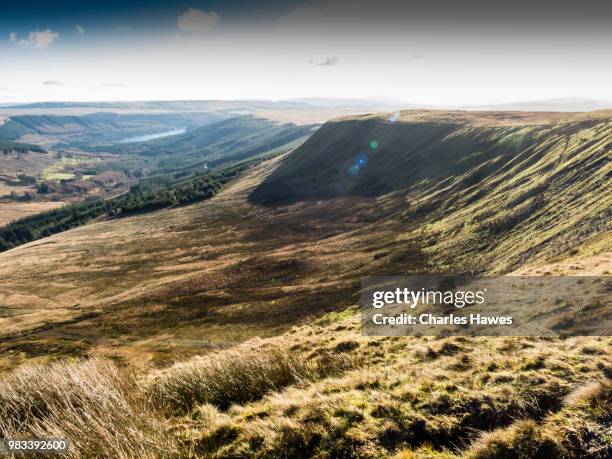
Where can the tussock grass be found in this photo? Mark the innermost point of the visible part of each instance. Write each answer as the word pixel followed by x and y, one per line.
pixel 522 439
pixel 337 395
pixel 420 397
pixel 239 375
pixel 583 428
pixel 91 403
pixel 577 430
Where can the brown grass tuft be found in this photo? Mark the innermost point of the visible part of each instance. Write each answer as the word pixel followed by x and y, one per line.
pixel 238 375
pixel 91 403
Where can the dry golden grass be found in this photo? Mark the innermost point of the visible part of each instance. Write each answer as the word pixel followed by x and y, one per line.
pixel 91 403
pixel 154 290
pixel 417 397
pixel 160 284
pixel 326 391
pixel 239 375
pixel 580 429
pixel 10 211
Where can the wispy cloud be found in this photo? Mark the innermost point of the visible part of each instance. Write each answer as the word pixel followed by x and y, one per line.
pixel 330 61
pixel 123 28
pixel 53 83
pixel 114 85
pixel 37 39
pixel 194 20
pixel 79 29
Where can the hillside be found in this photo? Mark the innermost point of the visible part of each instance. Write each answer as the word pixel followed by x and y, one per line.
pixel 506 187
pixel 259 285
pixel 524 208
pixel 185 168
pixel 7 146
pixel 94 129
pixel 230 140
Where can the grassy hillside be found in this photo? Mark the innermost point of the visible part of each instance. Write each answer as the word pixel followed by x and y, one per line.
pixel 139 199
pixel 104 128
pixel 9 146
pixel 229 327
pixel 512 187
pixel 426 154
pixel 231 140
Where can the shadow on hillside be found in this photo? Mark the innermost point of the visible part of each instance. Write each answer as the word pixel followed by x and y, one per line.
pixel 372 157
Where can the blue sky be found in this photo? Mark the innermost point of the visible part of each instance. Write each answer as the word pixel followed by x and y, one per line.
pixel 143 16
pixel 438 52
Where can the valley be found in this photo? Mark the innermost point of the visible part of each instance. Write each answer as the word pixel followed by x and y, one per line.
pixel 306 230
pixel 215 304
pixel 86 157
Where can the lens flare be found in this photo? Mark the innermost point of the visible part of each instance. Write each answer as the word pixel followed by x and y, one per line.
pixel 362 159
pixel 374 144
pixel 354 169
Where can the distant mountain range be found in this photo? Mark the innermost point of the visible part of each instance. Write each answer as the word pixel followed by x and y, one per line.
pixel 565 104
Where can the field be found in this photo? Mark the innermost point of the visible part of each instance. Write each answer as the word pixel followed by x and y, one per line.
pixel 10 211
pixel 57 171
pixel 230 327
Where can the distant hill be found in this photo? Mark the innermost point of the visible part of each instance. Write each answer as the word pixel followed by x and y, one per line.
pixel 169 106
pixel 230 140
pixel 99 128
pixel 8 145
pixel 565 104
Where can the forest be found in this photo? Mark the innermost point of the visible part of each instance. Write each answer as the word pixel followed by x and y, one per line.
pixel 138 199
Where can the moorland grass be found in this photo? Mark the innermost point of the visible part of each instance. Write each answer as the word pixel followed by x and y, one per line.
pixel 90 402
pixel 238 375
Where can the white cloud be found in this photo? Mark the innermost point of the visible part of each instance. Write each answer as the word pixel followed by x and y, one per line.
pixel 79 29
pixel 38 39
pixel 53 83
pixel 329 62
pixel 13 37
pixel 194 20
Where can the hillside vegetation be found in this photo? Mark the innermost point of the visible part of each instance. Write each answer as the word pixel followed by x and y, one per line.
pixel 7 146
pixel 227 141
pixel 502 183
pixel 103 128
pixel 230 327
pixel 139 199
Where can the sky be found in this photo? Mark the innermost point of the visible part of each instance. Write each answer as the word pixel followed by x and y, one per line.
pixel 431 52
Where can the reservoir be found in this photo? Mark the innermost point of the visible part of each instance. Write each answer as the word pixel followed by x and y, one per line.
pixel 144 138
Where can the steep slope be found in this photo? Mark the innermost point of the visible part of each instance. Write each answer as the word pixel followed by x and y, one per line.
pixel 135 283
pixel 424 152
pixel 103 128
pixel 227 141
pixel 514 186
pixel 281 275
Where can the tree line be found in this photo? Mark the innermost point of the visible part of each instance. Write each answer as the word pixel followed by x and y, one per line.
pixel 136 200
